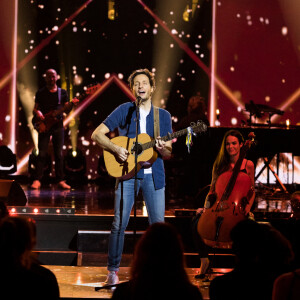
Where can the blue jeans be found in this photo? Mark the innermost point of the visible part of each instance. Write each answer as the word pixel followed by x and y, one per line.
pixel 124 201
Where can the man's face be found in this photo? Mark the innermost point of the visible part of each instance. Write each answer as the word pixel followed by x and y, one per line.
pixel 51 78
pixel 141 87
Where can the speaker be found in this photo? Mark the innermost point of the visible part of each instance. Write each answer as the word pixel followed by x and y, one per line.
pixel 11 193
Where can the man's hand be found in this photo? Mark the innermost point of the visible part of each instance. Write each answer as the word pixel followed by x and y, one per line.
pixel 159 144
pixel 39 115
pixel 164 148
pixel 121 153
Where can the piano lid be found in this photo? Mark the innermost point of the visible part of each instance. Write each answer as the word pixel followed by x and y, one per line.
pixel 259 109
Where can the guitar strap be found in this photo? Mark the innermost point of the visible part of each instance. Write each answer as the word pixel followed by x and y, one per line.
pixel 156 122
pixel 156 132
pixel 59 95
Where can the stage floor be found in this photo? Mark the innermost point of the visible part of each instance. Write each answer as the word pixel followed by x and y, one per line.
pixel 80 282
pixel 98 199
pixel 90 199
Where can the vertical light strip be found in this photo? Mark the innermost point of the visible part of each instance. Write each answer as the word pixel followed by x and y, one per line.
pixel 213 100
pixel 13 100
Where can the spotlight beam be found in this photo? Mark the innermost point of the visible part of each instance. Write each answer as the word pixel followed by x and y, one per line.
pixel 194 57
pixel 114 78
pixel 38 48
pixel 287 103
pixel 81 107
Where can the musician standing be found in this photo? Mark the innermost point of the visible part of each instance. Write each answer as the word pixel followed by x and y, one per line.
pixel 47 99
pixel 151 179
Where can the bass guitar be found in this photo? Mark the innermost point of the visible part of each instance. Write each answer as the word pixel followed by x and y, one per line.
pixel 146 153
pixel 233 192
pixel 53 117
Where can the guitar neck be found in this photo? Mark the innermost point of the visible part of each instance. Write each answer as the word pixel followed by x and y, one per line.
pixel 166 138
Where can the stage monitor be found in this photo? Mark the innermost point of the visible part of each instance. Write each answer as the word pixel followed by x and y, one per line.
pixel 11 193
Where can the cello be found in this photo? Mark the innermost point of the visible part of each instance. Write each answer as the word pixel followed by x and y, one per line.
pixel 233 190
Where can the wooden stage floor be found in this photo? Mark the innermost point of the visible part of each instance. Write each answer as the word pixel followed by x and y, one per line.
pixel 80 282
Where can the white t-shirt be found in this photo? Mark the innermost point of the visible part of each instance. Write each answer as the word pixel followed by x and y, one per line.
pixel 143 116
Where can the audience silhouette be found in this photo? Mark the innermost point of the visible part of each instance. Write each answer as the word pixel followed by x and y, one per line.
pixel 3 210
pixel 262 254
pixel 287 285
pixel 21 276
pixel 157 270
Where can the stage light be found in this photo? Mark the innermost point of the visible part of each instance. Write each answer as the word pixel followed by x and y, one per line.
pixel 186 13
pixel 33 161
pixel 8 161
pixel 112 14
pixel 234 121
pixel 19 210
pixel 75 165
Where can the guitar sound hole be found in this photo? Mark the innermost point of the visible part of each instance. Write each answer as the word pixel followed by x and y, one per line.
pixel 139 149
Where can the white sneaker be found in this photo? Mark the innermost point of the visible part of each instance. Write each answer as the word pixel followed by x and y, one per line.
pixel 112 278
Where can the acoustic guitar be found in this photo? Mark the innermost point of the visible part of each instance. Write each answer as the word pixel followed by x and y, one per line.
pixel 52 117
pixel 145 150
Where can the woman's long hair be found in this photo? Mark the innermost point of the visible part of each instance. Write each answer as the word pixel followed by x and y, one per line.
pixel 222 161
pixel 17 239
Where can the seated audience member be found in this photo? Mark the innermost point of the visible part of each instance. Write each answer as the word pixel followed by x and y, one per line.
pixel 287 286
pixel 157 270
pixel 21 277
pixel 3 210
pixel 290 228
pixel 262 254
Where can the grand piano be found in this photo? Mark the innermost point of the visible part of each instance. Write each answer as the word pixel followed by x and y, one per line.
pixel 269 141
pixel 197 165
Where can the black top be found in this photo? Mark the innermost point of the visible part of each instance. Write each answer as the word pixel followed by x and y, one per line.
pixel 48 101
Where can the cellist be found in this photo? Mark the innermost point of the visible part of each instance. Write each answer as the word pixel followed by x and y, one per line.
pixel 226 159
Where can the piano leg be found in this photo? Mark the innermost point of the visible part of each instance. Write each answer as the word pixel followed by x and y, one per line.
pixel 267 162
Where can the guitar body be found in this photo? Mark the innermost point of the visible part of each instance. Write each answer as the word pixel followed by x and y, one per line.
pixel 51 117
pixel 215 223
pixel 125 170
pixel 46 124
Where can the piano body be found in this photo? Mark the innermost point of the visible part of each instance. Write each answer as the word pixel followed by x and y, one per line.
pixel 269 142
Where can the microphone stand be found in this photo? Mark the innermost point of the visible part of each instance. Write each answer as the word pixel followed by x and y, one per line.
pixel 138 103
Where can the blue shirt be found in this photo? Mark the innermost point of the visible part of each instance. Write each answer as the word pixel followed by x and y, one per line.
pixel 123 118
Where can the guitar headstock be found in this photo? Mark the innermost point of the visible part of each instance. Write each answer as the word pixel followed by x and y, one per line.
pixel 200 126
pixel 92 89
